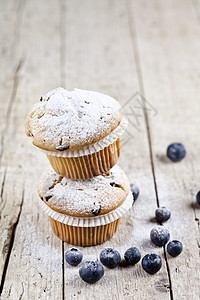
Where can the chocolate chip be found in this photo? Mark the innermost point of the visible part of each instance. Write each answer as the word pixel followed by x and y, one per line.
pixel 62 147
pixel 48 196
pixel 41 99
pixel 96 210
pixel 113 184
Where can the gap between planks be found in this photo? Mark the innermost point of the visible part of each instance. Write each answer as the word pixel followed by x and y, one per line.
pixel 62 36
pixel 134 40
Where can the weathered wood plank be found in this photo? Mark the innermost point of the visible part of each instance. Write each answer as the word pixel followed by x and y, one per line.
pixel 169 51
pixel 10 15
pixel 100 57
pixel 10 56
pixel 34 269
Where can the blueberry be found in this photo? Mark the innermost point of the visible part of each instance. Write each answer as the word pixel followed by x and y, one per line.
pixel 176 152
pixel 110 257
pixel 198 197
pixel 174 248
pixel 132 256
pixel 135 191
pixel 73 256
pixel 162 214
pixel 151 263
pixel 159 236
pixel 91 271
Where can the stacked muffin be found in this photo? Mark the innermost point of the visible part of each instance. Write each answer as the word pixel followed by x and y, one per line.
pixel 85 194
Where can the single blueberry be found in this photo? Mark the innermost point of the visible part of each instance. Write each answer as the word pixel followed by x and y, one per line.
pixel 176 152
pixel 135 191
pixel 174 248
pixel 198 197
pixel 73 256
pixel 151 263
pixel 110 257
pixel 91 271
pixel 159 236
pixel 132 256
pixel 162 214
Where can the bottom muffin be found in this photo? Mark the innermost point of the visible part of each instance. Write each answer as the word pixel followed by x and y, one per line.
pixel 85 212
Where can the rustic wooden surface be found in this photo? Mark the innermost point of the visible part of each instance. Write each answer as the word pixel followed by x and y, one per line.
pixel 146 49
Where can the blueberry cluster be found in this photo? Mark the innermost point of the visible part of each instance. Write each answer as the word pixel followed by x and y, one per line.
pixel 160 237
pixel 93 271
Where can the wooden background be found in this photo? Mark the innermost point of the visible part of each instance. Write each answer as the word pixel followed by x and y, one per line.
pixel 119 48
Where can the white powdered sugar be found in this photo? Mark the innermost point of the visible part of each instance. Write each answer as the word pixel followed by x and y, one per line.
pixel 89 197
pixel 72 118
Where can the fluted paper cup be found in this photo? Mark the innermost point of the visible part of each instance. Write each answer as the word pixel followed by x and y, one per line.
pixel 89 231
pixel 90 161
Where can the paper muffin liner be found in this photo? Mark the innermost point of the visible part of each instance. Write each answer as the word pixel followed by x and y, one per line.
pixel 89 221
pixel 96 147
pixel 88 166
pixel 84 236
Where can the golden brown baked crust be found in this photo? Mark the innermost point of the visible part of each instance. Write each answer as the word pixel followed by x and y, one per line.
pixel 84 198
pixel 72 120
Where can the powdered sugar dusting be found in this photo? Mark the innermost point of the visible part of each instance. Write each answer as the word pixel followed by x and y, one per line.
pixel 72 118
pixel 86 198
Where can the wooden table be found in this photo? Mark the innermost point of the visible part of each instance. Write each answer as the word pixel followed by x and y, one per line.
pixel 146 54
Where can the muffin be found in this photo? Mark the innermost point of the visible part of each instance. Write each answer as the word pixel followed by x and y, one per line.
pixel 85 212
pixel 78 130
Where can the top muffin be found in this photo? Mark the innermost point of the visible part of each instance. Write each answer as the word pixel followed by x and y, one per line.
pixel 72 120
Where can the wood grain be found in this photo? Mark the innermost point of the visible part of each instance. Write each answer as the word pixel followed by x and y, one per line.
pixel 34 268
pixel 168 51
pixel 127 49
pixel 9 209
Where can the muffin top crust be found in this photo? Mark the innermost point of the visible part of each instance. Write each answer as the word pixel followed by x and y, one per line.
pixel 84 198
pixel 72 120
